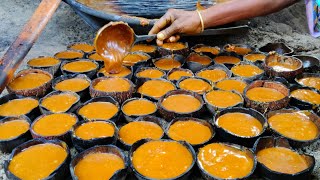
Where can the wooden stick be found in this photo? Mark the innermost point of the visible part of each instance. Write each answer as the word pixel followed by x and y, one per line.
pixel 22 45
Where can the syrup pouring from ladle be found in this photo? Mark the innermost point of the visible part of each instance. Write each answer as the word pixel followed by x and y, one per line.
pixel 113 43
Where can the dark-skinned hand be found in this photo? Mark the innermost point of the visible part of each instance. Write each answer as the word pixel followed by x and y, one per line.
pixel 176 22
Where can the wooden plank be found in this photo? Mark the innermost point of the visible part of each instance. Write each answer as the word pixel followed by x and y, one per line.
pixel 22 45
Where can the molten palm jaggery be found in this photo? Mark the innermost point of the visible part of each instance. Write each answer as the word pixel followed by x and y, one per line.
pixel 134 131
pixel 139 107
pixel 232 84
pixel 29 81
pixel 167 64
pixel 38 161
pixel 95 129
pixel 240 124
pixel 181 103
pixel 79 66
pixel 132 59
pixel 17 107
pixel 255 57
pixel 238 50
pixel 69 55
pixel 306 95
pixel 223 99
pixel 74 85
pixel 113 85
pixel 246 70
pixel 225 162
pixel 95 57
pixel 190 131
pixel 313 82
pixel 54 124
pixel 213 75
pixel 156 88
pixel 150 73
pixel 162 159
pixel 208 49
pixel 82 47
pixel 196 85
pixel 93 110
pixel 174 46
pixel 113 43
pixel 263 94
pixel 143 48
pixel 98 166
pixel 12 129
pixel 295 125
pixel 176 75
pixel 282 66
pixel 282 160
pixel 226 60
pixel 123 72
pixel 203 60
pixel 43 62
pixel 59 102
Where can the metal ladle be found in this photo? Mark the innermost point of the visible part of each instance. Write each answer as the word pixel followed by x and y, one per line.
pixel 125 36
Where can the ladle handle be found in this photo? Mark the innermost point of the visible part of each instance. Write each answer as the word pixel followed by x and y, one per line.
pixel 207 32
pixel 144 38
pixel 221 31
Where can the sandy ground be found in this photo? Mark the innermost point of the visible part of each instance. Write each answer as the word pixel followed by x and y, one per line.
pixel 66 27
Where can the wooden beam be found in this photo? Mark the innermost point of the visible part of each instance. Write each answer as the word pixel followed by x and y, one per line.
pixel 27 37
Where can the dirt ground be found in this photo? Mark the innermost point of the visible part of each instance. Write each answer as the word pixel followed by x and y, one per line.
pixel 66 27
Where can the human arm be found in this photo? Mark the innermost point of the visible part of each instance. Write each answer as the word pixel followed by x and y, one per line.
pixel 180 21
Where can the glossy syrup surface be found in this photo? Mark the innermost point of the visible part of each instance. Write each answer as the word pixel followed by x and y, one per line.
pixel 282 160
pixel 93 110
pixel 240 124
pixel 137 130
pixel 181 103
pixel 225 162
pixel 98 166
pixel 96 129
pixel 38 161
pixel 296 125
pixel 162 160
pixel 191 131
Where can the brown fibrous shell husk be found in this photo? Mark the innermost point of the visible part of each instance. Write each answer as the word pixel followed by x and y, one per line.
pixel 267 106
pixel 118 96
pixel 289 75
pixel 38 91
